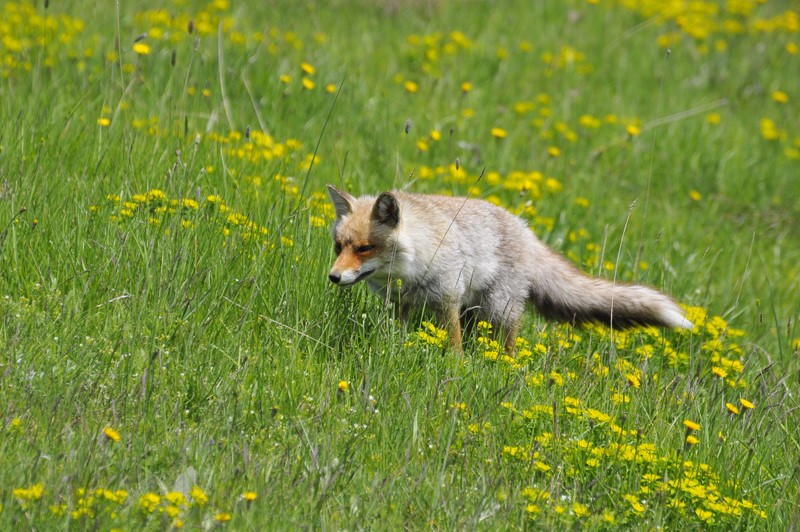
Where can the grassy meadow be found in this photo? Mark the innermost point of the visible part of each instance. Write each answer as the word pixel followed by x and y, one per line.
pixel 173 355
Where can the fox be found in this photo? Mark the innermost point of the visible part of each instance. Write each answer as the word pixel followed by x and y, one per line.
pixel 465 256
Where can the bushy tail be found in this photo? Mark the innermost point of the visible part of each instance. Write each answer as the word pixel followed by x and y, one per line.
pixel 565 294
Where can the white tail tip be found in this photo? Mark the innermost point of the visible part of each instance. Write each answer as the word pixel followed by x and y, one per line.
pixel 676 319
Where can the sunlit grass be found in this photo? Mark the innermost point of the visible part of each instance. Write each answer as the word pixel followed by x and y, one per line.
pixel 173 355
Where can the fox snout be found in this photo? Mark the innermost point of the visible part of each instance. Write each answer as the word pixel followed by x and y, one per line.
pixel 348 277
pixel 349 268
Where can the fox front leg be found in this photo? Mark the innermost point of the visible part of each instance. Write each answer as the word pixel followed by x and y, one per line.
pixel 451 319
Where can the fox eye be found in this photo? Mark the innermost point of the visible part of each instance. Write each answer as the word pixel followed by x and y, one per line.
pixel 337 247
pixel 364 249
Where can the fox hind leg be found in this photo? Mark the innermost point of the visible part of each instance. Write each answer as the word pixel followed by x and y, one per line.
pixel 505 332
pixel 505 322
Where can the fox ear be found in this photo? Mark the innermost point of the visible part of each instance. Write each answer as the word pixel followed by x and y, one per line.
pixel 386 210
pixel 342 201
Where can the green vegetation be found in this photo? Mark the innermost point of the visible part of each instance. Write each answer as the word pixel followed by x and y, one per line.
pixel 173 354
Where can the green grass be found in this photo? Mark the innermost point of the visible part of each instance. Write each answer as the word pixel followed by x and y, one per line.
pixel 174 355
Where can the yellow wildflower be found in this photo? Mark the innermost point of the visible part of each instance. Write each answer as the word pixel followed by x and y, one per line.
pixel 111 434
pixel 691 425
pixel 769 130
pixel 633 380
pixel 189 204
pixel 719 372
pixel 149 502
pixel 633 500
pixel 141 48
pixel 307 68
pixel 32 493
pixel 581 510
pixel 199 496
pixel 176 498
pixel 411 87
pixel 780 96
pixel 589 122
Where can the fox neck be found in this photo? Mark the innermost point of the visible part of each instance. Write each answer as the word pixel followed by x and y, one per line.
pixel 405 279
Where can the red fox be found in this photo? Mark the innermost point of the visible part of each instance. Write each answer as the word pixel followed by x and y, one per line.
pixel 453 255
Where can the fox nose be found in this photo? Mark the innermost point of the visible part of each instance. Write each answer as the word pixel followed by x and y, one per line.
pixel 335 277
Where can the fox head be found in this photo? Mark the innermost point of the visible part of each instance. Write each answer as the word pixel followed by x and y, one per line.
pixel 363 235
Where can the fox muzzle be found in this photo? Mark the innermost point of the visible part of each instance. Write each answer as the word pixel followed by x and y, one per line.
pixel 348 277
